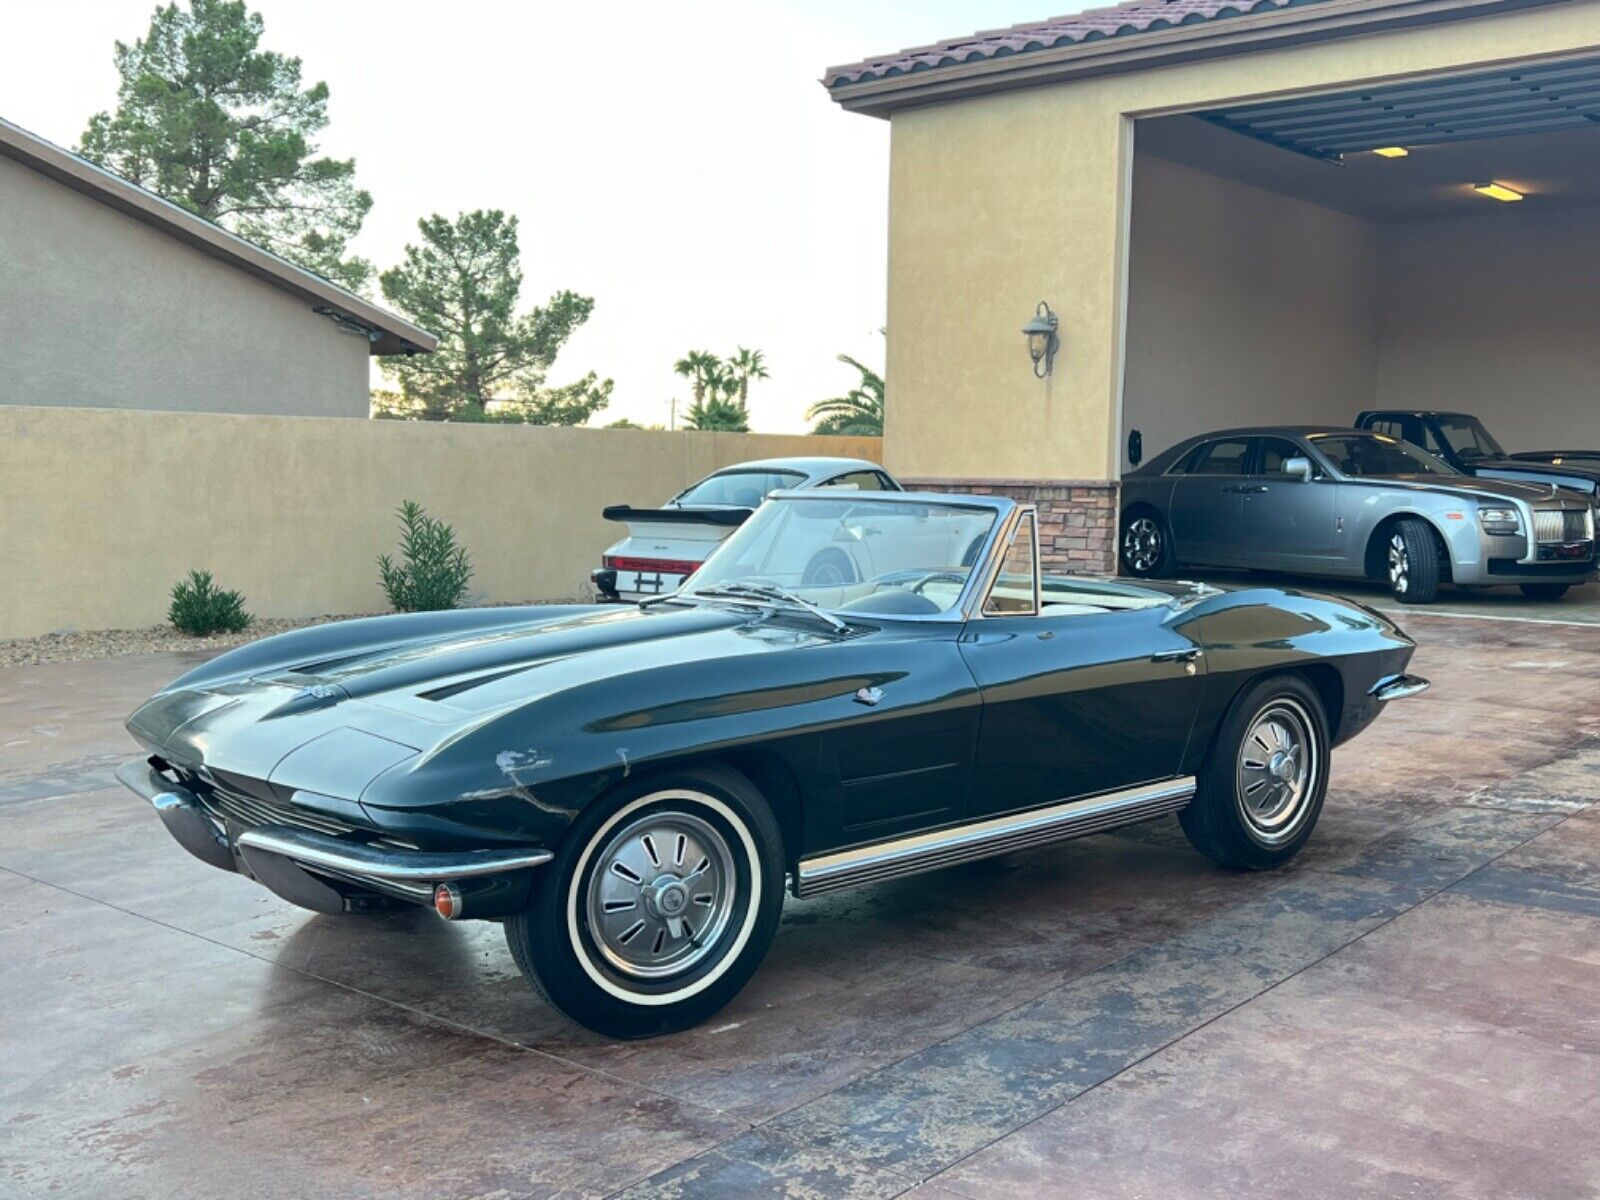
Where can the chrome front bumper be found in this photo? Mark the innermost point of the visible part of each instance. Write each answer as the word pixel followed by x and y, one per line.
pixel 1398 687
pixel 283 858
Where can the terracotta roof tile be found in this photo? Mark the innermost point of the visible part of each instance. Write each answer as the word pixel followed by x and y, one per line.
pixel 1137 16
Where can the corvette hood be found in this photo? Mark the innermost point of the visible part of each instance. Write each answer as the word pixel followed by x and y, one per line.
pixel 333 722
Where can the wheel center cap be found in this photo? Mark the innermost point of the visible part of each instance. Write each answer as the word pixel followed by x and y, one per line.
pixel 1282 767
pixel 667 896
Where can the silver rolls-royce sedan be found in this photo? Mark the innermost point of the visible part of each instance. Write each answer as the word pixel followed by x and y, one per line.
pixel 1352 503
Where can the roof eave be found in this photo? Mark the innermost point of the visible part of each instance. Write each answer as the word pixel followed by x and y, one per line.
pixel 386 332
pixel 1157 48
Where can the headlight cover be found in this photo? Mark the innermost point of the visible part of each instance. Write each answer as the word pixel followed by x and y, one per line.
pixel 1501 522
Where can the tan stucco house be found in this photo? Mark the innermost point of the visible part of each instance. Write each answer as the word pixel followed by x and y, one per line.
pixel 111 297
pixel 1278 212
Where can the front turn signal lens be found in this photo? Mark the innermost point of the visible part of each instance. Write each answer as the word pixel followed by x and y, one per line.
pixel 447 901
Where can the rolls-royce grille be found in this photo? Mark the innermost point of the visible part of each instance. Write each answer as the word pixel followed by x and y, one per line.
pixel 251 813
pixel 1552 526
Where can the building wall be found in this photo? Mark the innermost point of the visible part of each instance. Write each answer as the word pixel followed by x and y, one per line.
pixel 1000 201
pixel 100 310
pixel 1497 315
pixel 106 510
pixel 1245 307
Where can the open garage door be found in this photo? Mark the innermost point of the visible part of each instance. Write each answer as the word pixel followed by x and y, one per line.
pixel 1433 243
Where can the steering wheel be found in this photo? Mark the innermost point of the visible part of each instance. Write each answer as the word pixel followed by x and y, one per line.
pixel 934 577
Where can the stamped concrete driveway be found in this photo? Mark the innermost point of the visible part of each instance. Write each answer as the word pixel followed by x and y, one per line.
pixel 1410 1010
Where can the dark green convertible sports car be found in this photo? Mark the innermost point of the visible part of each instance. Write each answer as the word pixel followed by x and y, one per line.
pixel 631 790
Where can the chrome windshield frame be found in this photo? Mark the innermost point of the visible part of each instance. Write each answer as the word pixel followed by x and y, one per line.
pixel 1003 509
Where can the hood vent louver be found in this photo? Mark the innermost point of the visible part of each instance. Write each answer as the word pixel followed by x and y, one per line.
pixel 466 685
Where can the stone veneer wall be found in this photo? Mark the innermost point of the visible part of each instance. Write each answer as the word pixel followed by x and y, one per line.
pixel 1077 517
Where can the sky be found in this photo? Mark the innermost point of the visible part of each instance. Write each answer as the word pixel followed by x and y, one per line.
pixel 677 161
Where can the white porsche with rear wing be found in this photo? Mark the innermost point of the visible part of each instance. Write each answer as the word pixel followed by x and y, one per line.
pixel 666 545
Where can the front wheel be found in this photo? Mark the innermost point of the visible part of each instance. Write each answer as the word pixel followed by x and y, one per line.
pixel 1544 591
pixel 1413 562
pixel 1262 787
pixel 658 907
pixel 1146 549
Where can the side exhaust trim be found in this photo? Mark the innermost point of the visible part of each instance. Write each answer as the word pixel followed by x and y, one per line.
pixel 980 839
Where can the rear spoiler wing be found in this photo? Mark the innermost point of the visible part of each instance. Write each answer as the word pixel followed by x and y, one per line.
pixel 728 517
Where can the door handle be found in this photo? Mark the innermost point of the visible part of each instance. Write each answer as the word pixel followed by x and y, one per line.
pixel 1245 489
pixel 1193 654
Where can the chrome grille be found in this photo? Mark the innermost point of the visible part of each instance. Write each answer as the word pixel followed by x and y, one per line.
pixel 1558 525
pixel 252 813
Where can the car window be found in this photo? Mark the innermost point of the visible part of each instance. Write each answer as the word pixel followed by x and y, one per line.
pixel 861 481
pixel 1274 453
pixel 1467 437
pixel 739 489
pixel 1012 591
pixel 1226 457
pixel 1388 427
pixel 1364 454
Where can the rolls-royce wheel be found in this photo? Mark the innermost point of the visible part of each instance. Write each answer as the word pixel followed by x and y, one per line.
pixel 1412 561
pixel 830 568
pixel 1261 789
pixel 1146 547
pixel 658 907
pixel 1544 591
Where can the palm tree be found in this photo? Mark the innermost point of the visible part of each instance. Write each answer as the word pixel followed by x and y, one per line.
pixel 859 412
pixel 701 368
pixel 720 413
pixel 745 366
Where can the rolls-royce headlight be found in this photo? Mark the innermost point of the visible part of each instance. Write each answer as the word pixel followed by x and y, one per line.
pixel 1502 522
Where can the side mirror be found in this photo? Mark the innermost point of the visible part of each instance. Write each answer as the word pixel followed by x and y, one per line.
pixel 1298 468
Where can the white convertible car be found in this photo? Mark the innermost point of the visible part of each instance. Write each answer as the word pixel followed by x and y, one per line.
pixel 665 545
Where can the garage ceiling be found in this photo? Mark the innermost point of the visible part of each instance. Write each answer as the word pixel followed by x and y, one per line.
pixel 1545 98
pixel 1554 170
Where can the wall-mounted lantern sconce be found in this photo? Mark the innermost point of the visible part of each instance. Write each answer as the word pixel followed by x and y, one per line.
pixel 1043 341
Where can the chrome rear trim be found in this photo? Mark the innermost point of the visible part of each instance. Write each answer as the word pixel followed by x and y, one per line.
pixel 384 863
pixel 979 839
pixel 1398 687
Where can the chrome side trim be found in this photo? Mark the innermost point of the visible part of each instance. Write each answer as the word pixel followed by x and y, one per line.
pixel 383 862
pixel 979 839
pixel 1398 687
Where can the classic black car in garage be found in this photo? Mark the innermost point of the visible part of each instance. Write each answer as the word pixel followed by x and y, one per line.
pixel 1466 444
pixel 630 789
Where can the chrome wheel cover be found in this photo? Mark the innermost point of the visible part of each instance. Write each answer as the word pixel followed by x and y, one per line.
pixel 1278 769
pixel 1141 544
pixel 661 895
pixel 1399 565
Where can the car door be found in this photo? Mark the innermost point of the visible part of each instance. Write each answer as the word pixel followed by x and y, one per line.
pixel 1075 702
pixel 1208 502
pixel 1288 522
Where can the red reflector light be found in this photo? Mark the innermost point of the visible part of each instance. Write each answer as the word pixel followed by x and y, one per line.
pixel 661 566
pixel 447 901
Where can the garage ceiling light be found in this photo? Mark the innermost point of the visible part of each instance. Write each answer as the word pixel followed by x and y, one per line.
pixel 1497 191
pixel 1391 152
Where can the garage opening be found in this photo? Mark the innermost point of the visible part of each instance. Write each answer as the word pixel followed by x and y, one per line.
pixel 1428 244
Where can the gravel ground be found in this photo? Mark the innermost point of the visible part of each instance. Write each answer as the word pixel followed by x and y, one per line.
pixel 157 639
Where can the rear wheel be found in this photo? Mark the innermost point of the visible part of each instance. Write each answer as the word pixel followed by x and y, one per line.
pixel 1412 559
pixel 1146 549
pixel 1262 787
pixel 659 905
pixel 1544 591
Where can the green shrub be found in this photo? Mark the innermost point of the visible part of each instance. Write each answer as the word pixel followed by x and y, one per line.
pixel 433 571
pixel 200 607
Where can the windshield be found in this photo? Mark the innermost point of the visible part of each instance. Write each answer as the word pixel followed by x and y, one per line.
pixel 1468 438
pixel 1364 454
pixel 848 556
pixel 739 489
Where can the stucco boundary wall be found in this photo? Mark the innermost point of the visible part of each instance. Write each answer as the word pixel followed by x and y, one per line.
pixel 1077 517
pixel 102 511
